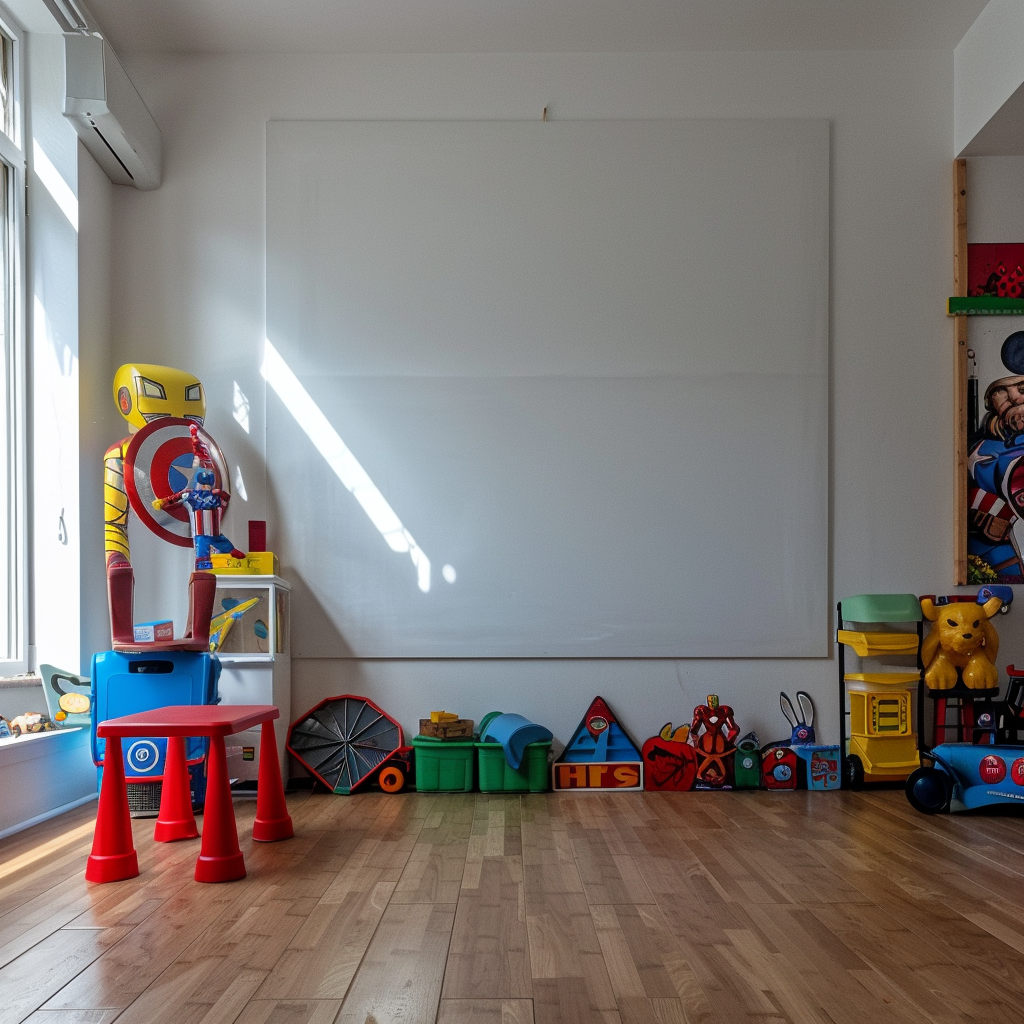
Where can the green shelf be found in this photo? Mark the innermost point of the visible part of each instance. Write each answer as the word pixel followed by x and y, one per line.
pixel 985 305
pixel 881 608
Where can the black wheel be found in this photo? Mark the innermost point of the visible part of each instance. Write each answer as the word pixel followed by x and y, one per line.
pixel 929 790
pixel 853 772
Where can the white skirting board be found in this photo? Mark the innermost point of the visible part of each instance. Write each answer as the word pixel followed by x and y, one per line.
pixel 44 775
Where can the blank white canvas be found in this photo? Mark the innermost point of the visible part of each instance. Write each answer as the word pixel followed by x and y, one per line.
pixel 550 389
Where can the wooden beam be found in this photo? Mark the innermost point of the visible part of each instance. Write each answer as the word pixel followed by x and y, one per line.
pixel 960 375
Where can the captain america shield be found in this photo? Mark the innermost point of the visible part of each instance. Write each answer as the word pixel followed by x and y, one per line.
pixel 159 463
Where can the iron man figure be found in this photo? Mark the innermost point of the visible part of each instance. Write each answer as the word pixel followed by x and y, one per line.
pixel 713 735
pixel 145 392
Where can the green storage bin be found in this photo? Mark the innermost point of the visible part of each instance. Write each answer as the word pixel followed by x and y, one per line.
pixel 498 776
pixel 444 766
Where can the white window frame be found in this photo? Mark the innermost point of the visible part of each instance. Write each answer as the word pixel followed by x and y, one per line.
pixel 12 153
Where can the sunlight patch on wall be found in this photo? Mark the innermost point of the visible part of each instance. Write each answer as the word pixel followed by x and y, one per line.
pixel 240 408
pixel 344 464
pixel 52 181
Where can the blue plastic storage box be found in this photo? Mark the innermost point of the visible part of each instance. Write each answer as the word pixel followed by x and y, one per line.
pixel 125 684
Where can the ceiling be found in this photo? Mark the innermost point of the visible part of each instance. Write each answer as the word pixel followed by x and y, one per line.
pixel 529 26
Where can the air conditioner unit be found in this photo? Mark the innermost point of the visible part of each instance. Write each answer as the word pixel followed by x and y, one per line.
pixel 108 114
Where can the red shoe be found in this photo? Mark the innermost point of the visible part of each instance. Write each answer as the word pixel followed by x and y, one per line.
pixel 120 598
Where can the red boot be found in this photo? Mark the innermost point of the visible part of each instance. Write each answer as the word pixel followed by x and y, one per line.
pixel 121 599
pixel 202 587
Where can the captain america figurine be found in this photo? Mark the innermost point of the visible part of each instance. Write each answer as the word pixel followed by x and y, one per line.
pixel 207 504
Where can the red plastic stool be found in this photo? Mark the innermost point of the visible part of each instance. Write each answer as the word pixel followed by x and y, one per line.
pixel 175 820
pixel 113 854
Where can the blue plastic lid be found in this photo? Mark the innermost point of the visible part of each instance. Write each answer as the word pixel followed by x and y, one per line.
pixel 513 732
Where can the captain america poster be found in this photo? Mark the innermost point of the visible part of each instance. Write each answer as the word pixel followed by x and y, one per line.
pixel 995 458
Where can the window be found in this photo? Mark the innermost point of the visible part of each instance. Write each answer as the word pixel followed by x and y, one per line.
pixel 13 585
pixel 6 61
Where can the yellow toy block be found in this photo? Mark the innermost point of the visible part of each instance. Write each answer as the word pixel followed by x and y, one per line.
pixel 255 563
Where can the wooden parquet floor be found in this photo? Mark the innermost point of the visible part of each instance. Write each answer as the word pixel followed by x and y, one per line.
pixel 718 908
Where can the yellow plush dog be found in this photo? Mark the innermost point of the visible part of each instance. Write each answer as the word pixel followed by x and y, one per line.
pixel 962 638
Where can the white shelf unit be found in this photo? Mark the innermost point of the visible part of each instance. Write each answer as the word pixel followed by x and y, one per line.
pixel 256 664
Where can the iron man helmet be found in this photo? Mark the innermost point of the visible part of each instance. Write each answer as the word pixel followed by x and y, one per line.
pixel 145 392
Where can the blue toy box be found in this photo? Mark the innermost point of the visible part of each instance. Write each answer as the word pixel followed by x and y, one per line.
pixel 124 684
pixel 820 765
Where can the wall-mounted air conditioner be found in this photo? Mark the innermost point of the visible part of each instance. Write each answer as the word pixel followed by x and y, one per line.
pixel 108 114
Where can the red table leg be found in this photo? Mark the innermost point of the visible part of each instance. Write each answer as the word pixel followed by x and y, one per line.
pixel 272 819
pixel 113 854
pixel 220 859
pixel 175 820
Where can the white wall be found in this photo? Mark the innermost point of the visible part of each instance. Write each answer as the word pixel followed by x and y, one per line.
pixel 99 422
pixel 988 79
pixel 70 203
pixel 990 218
pixel 189 291
pixel 53 348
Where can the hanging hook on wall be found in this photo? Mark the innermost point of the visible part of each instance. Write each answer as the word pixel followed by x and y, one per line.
pixel 62 530
pixel 544 116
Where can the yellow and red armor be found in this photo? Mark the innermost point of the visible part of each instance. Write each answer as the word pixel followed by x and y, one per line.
pixel 115 504
pixel 145 392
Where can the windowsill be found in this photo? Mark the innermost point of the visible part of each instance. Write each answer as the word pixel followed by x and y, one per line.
pixel 32 680
pixel 38 744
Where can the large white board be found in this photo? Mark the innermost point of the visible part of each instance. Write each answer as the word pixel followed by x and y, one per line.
pixel 550 389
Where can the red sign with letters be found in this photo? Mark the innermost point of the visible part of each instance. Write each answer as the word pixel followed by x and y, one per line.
pixel 597 775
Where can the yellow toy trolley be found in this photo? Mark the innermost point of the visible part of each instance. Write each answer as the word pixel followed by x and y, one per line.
pixel 880 744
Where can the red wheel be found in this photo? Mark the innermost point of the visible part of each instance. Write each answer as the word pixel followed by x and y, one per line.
pixel 391 779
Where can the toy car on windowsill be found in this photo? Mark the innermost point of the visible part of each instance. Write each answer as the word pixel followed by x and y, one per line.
pixel 31 721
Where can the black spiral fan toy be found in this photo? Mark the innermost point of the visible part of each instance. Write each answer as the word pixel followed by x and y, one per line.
pixel 344 740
